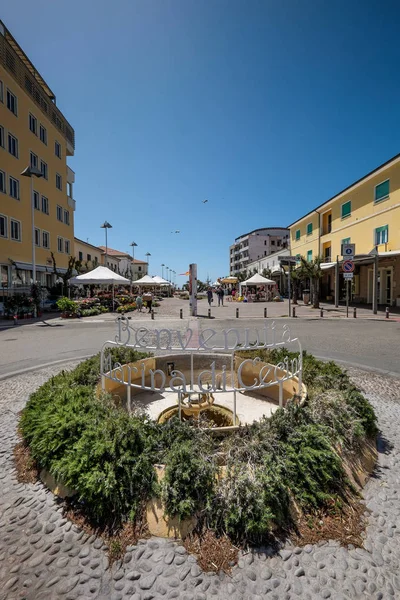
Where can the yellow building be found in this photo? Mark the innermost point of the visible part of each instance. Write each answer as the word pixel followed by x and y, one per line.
pixel 367 214
pixel 88 255
pixel 33 133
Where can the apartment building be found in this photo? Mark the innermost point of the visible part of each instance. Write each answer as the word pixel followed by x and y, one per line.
pixel 254 245
pixel 36 212
pixel 367 214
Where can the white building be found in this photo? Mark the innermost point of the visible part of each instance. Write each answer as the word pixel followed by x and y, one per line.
pixel 124 264
pixel 255 245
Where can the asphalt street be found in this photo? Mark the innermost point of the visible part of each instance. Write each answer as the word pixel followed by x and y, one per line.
pixel 372 344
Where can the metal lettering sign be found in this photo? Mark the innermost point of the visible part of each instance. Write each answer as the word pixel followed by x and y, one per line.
pixel 225 341
pixel 193 290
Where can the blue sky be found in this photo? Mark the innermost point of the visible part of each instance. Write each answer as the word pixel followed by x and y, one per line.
pixel 265 108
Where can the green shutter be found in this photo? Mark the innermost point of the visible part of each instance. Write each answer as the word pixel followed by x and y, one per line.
pixel 382 190
pixel 346 209
pixel 309 229
pixel 309 256
pixel 298 234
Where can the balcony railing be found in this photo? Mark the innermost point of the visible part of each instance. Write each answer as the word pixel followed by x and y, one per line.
pixel 14 60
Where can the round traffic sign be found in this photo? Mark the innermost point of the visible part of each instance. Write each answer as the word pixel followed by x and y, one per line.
pixel 348 266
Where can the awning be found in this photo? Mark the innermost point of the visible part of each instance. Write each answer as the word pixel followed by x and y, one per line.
pixel 40 268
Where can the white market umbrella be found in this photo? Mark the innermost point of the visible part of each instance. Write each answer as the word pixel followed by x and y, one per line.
pixel 100 276
pixel 160 280
pixel 258 279
pixel 145 280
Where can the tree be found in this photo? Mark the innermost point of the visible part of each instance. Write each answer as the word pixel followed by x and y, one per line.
pixel 312 270
pixel 73 265
pixel 266 272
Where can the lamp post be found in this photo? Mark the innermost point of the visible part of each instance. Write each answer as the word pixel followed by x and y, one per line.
pixel 167 268
pixel 106 225
pixel 174 278
pixel 33 172
pixel 162 270
pixel 133 244
pixel 148 261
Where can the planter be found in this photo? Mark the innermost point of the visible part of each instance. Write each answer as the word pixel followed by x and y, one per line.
pixel 306 298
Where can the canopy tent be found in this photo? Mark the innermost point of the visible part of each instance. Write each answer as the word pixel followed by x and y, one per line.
pixel 230 279
pixel 216 283
pixel 161 281
pixel 100 276
pixel 258 279
pixel 145 280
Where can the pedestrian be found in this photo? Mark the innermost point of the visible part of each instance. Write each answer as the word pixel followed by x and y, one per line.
pixel 233 293
pixel 139 303
pixel 209 296
pixel 148 297
pixel 220 294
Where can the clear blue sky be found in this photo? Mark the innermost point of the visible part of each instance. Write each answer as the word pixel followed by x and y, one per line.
pixel 265 108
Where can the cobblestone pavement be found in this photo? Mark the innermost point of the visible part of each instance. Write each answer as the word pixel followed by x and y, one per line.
pixel 43 556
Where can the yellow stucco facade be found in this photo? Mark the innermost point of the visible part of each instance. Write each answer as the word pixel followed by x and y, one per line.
pixel 33 132
pixel 366 214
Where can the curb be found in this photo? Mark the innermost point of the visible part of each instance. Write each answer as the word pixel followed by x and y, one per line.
pixel 43 366
pixel 355 365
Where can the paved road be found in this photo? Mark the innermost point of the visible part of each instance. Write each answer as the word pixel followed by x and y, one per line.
pixel 374 344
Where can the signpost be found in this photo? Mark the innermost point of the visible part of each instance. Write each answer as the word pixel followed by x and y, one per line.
pixel 348 252
pixel 193 290
pixel 288 261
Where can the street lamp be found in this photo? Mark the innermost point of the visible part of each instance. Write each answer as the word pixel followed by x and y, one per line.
pixel 174 278
pixel 133 244
pixel 148 261
pixel 106 225
pixel 162 270
pixel 167 268
pixel 33 172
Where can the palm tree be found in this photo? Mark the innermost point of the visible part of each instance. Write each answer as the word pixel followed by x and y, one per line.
pixel 312 270
pixel 266 273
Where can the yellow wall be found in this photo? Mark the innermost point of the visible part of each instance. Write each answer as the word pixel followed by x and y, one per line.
pixel 366 216
pixel 87 249
pixel 21 209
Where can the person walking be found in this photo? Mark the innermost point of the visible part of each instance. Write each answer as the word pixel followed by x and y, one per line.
pixel 148 297
pixel 220 294
pixel 209 296
pixel 139 303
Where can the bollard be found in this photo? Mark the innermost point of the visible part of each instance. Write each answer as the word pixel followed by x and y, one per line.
pixel 265 312
pixel 209 313
pixel 294 312
pixel 387 312
pixel 15 319
pixel 355 313
pixel 237 313
pixel 321 312
pixel 181 313
pixel 152 315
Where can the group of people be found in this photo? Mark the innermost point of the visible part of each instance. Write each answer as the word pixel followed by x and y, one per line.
pixel 148 298
pixel 220 295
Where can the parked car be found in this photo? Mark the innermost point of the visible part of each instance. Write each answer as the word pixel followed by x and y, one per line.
pixel 49 305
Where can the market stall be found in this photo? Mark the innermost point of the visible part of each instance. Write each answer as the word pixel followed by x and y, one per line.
pixel 100 276
pixel 258 289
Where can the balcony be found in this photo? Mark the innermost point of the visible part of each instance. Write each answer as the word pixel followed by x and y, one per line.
pixel 17 64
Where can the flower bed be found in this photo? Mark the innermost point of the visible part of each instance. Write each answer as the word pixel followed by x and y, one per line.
pixel 274 471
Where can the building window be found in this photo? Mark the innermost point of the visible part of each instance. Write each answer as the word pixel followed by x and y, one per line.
pixel 1 92
pixel 346 209
pixel 13 145
pixel 59 213
pixel 36 202
pixel 272 242
pixel 45 205
pixel 37 237
pixel 382 190
pixel 381 235
pixel 12 102
pixel 309 255
pixel 345 241
pixel 66 217
pixel 2 140
pixel 45 239
pixel 57 149
pixel 33 124
pixel 43 169
pixel 297 234
pixel 80 255
pixel 3 182
pixel 43 134
pixel 89 257
pixel 14 188
pixel 139 268
pixel 15 227
pixel 60 244
pixel 309 228
pixel 58 181
pixel 69 189
pixel 34 161
pixel 3 226
pixel 66 246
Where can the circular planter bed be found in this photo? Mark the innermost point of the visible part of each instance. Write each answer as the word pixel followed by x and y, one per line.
pixel 305 460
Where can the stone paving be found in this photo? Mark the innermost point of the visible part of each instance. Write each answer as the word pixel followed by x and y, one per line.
pixel 43 556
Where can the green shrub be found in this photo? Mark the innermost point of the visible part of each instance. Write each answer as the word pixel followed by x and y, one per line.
pixel 67 306
pixel 189 480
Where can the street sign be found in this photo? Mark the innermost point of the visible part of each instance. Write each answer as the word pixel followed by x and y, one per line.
pixel 348 250
pixel 348 266
pixel 348 276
